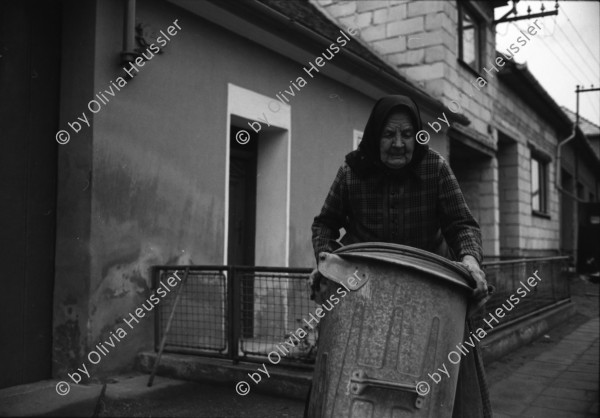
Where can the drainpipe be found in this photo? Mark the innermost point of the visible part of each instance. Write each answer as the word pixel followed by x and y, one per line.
pixel 565 192
pixel 558 169
pixel 129 55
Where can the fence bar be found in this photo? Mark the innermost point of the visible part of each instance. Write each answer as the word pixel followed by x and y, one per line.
pixel 524 260
pixel 235 313
pixel 164 339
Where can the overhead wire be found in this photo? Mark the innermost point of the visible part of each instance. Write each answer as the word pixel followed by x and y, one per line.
pixel 574 61
pixel 568 58
pixel 592 103
pixel 550 34
pixel 595 77
pixel 580 38
pixel 560 61
pixel 577 66
pixel 588 70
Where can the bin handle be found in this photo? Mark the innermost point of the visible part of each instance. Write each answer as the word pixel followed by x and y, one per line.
pixel 359 382
pixel 342 271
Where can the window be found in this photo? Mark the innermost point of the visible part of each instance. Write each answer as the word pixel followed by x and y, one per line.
pixel 539 187
pixel 469 38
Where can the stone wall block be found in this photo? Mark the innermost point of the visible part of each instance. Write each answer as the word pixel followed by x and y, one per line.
pixel 391 45
pixel 367 5
pixel 405 27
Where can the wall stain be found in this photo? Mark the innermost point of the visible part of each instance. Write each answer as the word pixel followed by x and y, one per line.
pixel 127 258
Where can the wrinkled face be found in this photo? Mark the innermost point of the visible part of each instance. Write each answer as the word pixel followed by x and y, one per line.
pixel 397 141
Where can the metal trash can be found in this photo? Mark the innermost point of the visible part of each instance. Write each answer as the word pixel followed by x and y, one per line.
pixel 401 312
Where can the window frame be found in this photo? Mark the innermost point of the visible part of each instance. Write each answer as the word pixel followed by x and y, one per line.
pixel 543 180
pixel 479 23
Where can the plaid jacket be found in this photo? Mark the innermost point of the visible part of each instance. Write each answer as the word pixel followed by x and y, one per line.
pixel 424 209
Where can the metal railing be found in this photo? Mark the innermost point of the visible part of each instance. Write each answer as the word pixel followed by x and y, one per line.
pixel 244 313
pixel 515 296
pixel 237 312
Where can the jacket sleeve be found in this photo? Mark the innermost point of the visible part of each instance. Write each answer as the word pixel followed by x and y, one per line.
pixel 460 229
pixel 326 225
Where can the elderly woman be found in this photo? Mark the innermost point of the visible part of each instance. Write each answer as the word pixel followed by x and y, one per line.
pixel 394 189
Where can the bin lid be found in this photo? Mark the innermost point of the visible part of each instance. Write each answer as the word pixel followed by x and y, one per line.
pixel 410 257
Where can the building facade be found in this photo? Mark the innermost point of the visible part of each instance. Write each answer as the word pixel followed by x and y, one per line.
pixel 504 158
pixel 208 132
pixel 177 133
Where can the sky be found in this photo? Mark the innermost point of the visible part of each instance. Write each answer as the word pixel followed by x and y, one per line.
pixel 565 53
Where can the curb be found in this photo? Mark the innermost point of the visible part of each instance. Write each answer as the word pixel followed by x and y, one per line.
pixel 286 382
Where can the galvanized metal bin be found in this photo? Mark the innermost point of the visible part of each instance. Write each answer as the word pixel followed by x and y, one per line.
pixel 400 311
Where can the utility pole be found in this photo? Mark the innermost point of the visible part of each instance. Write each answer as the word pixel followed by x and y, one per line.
pixel 581 90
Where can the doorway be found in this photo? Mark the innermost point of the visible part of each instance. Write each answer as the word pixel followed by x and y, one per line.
pixel 30 34
pixel 242 219
pixel 242 199
pixel 267 155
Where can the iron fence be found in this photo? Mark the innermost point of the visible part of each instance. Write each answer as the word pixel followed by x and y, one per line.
pixel 237 312
pixel 243 313
pixel 510 278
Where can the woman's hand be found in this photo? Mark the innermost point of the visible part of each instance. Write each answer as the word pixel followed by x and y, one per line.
pixel 481 291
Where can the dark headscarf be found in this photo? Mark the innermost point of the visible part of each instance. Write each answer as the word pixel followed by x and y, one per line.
pixel 366 159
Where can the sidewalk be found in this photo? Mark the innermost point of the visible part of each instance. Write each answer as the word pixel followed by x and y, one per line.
pixel 561 382
pixel 129 396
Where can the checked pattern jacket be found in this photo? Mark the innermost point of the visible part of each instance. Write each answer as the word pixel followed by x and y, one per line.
pixel 424 209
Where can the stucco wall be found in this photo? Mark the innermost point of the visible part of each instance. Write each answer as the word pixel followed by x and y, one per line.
pixel 145 184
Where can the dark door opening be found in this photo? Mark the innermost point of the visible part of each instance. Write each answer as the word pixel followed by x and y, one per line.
pixel 242 219
pixel 588 238
pixel 242 200
pixel 30 39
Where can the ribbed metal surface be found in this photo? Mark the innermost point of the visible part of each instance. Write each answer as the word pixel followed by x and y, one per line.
pixel 386 336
